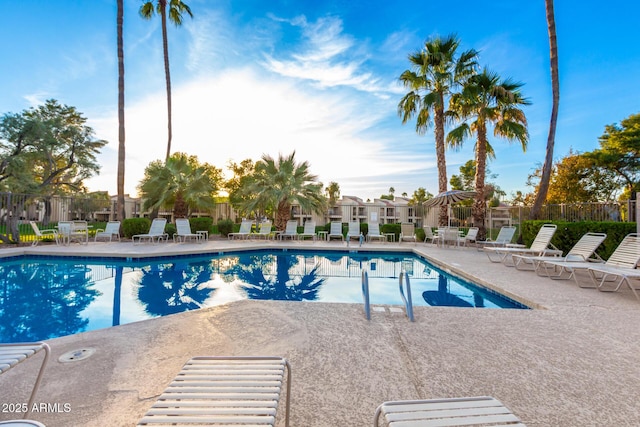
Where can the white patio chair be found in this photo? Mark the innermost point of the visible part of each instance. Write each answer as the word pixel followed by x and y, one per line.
pixel 111 230
pixel 42 234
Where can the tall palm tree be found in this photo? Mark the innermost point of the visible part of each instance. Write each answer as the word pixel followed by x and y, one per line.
pixel 488 101
pixel 120 210
pixel 436 73
pixel 177 9
pixel 277 184
pixel 543 188
pixel 182 183
pixel 333 192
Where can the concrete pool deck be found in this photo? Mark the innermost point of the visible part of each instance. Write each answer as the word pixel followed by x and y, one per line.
pixel 573 360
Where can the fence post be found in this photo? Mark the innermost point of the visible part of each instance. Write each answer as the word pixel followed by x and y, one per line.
pixel 638 212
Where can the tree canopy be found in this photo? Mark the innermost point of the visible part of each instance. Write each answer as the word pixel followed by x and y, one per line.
pixel 47 150
pixel 182 183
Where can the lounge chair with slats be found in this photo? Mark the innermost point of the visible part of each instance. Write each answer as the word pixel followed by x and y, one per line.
pixel 12 354
pixel 583 250
pixel 374 233
pixel 264 231
pixel 155 234
pixel 505 235
pixel 290 230
pixel 407 232
pixel 335 231
pixel 42 234
pixel 540 246
pixel 111 230
pixel 309 231
pixel 223 391
pixel 354 232
pixel 184 233
pixel 462 411
pixel 244 232
pixel 625 258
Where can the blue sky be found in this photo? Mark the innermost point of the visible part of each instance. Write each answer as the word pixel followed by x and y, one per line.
pixel 319 77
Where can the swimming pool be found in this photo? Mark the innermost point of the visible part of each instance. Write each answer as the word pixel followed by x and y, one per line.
pixel 46 297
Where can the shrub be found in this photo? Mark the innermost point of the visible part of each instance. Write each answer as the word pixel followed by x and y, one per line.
pixel 420 235
pixel 133 226
pixel 201 224
pixel 170 229
pixel 225 227
pixel 391 228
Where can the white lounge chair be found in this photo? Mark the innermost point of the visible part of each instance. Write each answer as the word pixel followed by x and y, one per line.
pixel 223 391
pixel 42 234
pixel 73 230
pixel 505 235
pixel 539 246
pixel 309 230
pixel 428 234
pixel 290 231
pixel 183 231
pixel 335 231
pixel 244 232
pixel 374 233
pixel 469 238
pixel 624 259
pixel 155 234
pixel 111 230
pixel 462 411
pixel 583 250
pixel 264 231
pixel 354 231
pixel 407 232
pixel 12 354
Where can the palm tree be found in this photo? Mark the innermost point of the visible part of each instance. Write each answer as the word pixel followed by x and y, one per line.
pixel 182 183
pixel 333 192
pixel 120 211
pixel 543 188
pixel 436 73
pixel 488 100
pixel 277 184
pixel 177 9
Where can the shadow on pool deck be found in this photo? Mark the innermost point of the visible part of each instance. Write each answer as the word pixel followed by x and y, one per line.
pixel 572 361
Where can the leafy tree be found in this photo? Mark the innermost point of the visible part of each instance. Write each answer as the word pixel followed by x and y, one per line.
pixel 420 196
pixel 177 9
pixel 437 72
pixel 45 151
pixel 277 183
pixel 182 183
pixel 466 182
pixel 541 194
pixel 577 178
pixel 620 152
pixel 488 100
pixel 120 209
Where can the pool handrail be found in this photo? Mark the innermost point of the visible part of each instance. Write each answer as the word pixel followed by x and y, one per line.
pixel 365 294
pixel 408 303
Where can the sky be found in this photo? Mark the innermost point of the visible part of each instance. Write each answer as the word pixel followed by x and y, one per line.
pixel 319 77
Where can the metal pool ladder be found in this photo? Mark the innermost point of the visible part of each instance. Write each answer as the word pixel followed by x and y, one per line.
pixel 365 294
pixel 408 304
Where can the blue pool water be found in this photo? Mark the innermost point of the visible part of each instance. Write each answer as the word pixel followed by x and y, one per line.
pixel 47 297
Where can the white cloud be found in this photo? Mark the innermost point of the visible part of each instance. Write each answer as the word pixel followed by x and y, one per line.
pixel 243 114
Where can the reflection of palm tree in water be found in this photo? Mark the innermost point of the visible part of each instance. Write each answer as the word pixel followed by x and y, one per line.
pixel 253 272
pixel 174 288
pixel 442 297
pixel 44 300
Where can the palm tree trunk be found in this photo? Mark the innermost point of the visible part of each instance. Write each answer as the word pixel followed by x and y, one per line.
pixel 438 120
pixel 165 47
pixel 541 196
pixel 479 205
pixel 283 213
pixel 120 209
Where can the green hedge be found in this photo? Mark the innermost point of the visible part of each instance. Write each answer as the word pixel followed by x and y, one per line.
pixel 133 226
pixel 201 224
pixel 568 233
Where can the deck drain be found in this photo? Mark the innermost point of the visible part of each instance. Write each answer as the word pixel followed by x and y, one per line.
pixel 76 355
